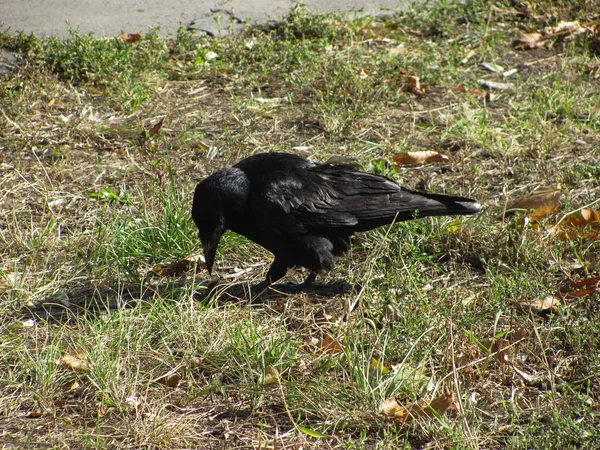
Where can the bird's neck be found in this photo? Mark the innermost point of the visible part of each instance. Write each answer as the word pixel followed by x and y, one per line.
pixel 234 189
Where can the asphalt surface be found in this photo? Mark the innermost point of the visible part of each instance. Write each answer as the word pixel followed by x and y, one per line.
pixel 214 17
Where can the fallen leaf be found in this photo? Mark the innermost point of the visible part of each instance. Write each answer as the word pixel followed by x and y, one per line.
pixel 518 334
pixel 74 360
pixel 403 415
pixel 130 37
pixel 422 157
pixel 414 85
pixel 271 376
pixel 569 30
pixel 468 56
pixel 548 305
pixel 581 288
pixel 133 402
pixel 500 348
pixel 322 320
pixel 584 223
pixel 379 367
pixel 179 267
pixel 453 227
pixel 170 380
pixel 330 345
pixel 542 202
pixel 156 127
pixel 488 96
pixel 529 41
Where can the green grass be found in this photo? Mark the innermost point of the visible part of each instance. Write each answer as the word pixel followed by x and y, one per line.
pixel 94 202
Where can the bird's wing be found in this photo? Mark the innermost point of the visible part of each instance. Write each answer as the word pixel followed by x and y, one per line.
pixel 324 198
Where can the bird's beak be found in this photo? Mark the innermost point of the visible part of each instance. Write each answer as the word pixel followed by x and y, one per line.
pixel 209 247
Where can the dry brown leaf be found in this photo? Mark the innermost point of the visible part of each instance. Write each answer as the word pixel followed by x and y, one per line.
pixel 414 85
pixel 582 288
pixel 529 41
pixel 497 347
pixel 518 334
pixel 500 348
pixel 330 345
pixel 179 267
pixel 130 37
pixel 548 305
pixel 322 320
pixel 74 360
pixel 567 30
pixel 570 30
pixel 542 202
pixel 422 157
pixel 170 380
pixel 156 127
pixel 581 224
pixel 403 415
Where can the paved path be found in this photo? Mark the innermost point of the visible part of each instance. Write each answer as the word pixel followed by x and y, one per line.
pixel 110 17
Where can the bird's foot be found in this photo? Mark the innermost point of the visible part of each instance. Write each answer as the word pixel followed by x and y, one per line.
pixel 307 284
pixel 256 291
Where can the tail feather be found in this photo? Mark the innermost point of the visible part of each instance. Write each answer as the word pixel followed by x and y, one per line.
pixel 449 208
pixel 426 204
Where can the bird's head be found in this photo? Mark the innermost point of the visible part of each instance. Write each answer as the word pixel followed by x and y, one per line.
pixel 215 198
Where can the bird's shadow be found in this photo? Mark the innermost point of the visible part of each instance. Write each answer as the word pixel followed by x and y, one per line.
pixel 244 292
pixel 91 301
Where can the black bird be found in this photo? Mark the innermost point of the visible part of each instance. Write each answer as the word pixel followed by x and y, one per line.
pixel 304 212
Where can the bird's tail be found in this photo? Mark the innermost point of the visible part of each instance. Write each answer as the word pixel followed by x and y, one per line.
pixel 447 205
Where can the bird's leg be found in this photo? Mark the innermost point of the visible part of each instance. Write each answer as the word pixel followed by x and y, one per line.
pixel 277 271
pixel 310 279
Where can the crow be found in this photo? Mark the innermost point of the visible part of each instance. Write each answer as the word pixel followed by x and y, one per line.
pixel 304 212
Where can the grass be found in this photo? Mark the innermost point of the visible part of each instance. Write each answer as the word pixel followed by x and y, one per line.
pixel 98 350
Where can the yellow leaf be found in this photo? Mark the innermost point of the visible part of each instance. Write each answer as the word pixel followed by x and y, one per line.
pixel 179 267
pixel 454 226
pixel 379 367
pixel 271 375
pixel 403 415
pixel 74 360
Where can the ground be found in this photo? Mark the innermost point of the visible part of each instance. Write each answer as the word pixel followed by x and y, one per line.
pixel 473 332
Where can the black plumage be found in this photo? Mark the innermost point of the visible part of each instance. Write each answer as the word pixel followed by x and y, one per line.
pixel 303 212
